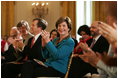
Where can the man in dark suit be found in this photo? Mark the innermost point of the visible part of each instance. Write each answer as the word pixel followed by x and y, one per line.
pixel 100 43
pixel 78 67
pixel 33 50
pixel 34 47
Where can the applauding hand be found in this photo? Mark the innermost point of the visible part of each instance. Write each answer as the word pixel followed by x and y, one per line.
pixel 109 33
pixel 45 35
pixel 90 57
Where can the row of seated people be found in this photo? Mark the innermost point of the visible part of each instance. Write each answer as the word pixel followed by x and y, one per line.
pixel 100 55
pixel 93 39
pixel 56 53
pixel 39 48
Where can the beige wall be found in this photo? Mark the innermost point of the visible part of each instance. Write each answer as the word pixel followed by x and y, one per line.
pixel 23 11
pixel 15 11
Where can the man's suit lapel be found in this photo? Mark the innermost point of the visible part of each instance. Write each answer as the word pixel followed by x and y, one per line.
pixel 37 41
pixel 98 41
pixel 30 42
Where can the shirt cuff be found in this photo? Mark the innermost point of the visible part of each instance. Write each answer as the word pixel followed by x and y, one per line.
pixel 100 64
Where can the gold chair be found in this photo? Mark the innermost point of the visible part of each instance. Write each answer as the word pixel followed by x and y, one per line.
pixel 69 64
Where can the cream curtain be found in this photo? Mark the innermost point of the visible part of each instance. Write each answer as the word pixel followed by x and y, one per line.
pixel 7 16
pixel 69 9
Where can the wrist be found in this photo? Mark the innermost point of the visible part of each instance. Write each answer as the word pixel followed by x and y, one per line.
pixel 96 61
pixel 87 50
pixel 114 44
pixel 47 41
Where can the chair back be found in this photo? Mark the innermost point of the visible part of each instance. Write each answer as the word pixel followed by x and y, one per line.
pixel 69 64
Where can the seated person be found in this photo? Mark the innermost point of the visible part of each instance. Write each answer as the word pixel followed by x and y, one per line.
pixel 24 29
pixel 53 34
pixel 83 31
pixel 4 46
pixel 12 54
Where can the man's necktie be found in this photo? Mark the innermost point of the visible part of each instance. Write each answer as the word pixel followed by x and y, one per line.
pixel 92 44
pixel 32 43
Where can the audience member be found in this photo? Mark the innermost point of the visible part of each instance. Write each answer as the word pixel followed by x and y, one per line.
pixel 4 46
pixel 83 31
pixel 12 53
pixel 24 29
pixel 53 34
pixel 4 43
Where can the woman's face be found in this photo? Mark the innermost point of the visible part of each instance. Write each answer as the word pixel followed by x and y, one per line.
pixel 63 28
pixel 84 35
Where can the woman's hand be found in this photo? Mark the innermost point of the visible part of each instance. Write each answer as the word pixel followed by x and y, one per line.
pixel 77 47
pixel 45 35
pixel 83 46
pixel 43 42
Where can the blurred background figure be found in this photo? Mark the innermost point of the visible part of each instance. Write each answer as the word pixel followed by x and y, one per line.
pixel 12 53
pixel 4 44
pixel 84 32
pixel 53 34
pixel 24 29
